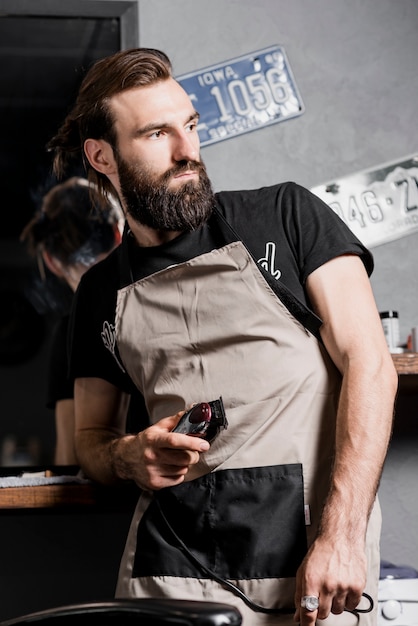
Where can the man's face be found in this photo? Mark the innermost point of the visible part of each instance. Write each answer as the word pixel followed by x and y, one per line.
pixel 152 201
pixel 161 179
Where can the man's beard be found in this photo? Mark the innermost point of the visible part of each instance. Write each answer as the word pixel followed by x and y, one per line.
pixel 150 202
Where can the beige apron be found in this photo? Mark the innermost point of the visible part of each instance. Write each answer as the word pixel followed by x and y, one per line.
pixel 213 327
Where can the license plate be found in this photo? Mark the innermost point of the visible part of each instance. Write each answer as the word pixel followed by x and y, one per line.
pixel 380 204
pixel 243 94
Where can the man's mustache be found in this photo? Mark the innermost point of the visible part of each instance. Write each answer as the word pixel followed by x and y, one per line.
pixel 181 168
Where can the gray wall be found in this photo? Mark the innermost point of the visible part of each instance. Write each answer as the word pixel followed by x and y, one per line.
pixel 355 64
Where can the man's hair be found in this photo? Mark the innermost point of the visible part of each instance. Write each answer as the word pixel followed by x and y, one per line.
pixel 90 116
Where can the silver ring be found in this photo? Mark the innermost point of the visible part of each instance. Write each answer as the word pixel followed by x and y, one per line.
pixel 310 603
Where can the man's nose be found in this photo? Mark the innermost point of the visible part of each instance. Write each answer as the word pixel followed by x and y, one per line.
pixel 186 147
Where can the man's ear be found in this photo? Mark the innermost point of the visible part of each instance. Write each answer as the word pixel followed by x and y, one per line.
pixel 100 156
pixel 53 264
pixel 118 234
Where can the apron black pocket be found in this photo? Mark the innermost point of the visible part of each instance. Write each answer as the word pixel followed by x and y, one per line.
pixel 240 523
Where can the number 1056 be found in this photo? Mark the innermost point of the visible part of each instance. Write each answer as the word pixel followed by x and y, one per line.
pixel 256 92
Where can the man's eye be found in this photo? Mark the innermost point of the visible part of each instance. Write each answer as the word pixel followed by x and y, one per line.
pixel 156 134
pixel 192 126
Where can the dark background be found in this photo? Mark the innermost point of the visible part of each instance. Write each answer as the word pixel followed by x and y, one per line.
pixel 42 62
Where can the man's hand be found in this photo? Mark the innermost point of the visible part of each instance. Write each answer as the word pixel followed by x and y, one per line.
pixel 334 572
pixel 156 457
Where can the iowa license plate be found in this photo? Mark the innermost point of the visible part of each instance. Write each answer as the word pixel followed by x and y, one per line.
pixel 243 94
pixel 378 205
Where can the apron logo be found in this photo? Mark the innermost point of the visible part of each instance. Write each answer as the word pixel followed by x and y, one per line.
pixel 109 339
pixel 268 262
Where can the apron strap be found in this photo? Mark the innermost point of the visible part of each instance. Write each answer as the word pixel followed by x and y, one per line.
pixel 125 270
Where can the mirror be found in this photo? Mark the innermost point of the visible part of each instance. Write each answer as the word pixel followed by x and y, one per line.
pixel 43 59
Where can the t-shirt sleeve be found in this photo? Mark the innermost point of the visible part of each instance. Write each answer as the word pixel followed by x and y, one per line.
pixel 302 230
pixel 318 233
pixel 92 345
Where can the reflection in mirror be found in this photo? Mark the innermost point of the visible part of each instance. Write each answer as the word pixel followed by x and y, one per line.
pixel 73 230
pixel 42 61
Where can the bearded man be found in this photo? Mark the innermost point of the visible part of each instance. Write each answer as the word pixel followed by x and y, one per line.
pixel 278 514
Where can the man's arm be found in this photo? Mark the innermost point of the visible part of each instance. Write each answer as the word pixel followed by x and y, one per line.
pixel 64 428
pixel 153 459
pixel 335 567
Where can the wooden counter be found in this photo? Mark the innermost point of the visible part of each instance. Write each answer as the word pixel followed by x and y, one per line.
pixel 68 496
pixel 407 367
pixel 66 489
pixel 406 363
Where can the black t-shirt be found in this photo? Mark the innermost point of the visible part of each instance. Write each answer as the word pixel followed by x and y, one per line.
pixel 289 231
pixel 60 386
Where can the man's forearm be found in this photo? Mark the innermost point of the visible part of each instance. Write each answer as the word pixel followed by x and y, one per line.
pixel 95 453
pixel 364 425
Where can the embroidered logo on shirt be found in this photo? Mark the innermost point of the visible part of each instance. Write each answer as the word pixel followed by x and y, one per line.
pixel 109 339
pixel 268 262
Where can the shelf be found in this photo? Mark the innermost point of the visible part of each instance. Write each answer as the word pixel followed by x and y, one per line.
pixel 407 367
pixel 406 363
pixel 67 496
pixel 46 496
